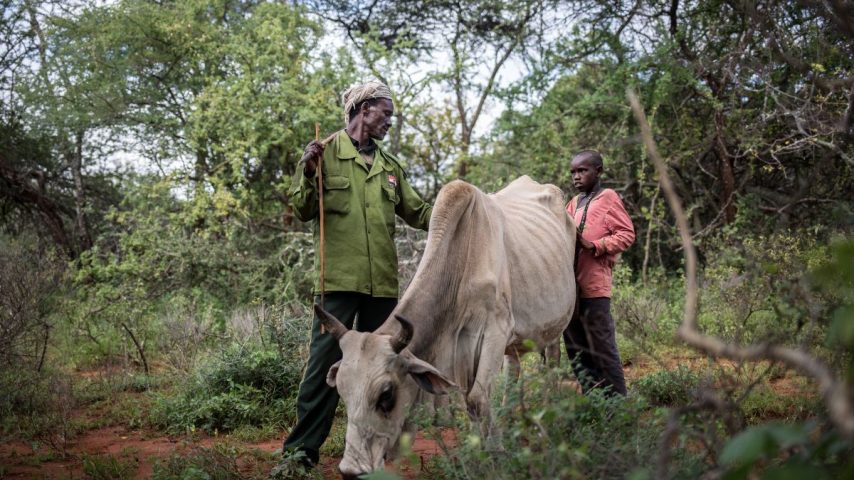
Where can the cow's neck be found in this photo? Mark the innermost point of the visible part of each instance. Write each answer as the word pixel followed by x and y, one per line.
pixel 430 300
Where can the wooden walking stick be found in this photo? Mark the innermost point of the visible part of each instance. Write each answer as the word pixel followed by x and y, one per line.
pixel 322 246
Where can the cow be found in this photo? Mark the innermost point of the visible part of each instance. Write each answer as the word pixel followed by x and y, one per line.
pixel 497 270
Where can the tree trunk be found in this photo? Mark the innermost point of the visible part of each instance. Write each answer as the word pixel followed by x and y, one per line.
pixel 725 166
pixel 44 347
pixel 76 163
pixel 139 348
pixel 649 235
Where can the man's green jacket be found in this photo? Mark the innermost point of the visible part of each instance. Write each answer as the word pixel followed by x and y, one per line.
pixel 360 203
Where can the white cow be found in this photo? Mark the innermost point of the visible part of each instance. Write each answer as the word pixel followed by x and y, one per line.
pixel 497 269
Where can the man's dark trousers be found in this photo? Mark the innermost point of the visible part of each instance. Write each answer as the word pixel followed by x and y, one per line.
pixel 591 345
pixel 316 401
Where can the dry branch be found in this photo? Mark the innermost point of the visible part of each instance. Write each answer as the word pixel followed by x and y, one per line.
pixel 836 392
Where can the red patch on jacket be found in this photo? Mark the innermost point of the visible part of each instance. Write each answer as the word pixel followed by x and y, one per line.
pixel 392 180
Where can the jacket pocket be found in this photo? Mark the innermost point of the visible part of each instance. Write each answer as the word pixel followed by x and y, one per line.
pixel 391 195
pixel 336 196
pixel 390 201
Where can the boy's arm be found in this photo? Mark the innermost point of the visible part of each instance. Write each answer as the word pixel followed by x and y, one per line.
pixel 621 231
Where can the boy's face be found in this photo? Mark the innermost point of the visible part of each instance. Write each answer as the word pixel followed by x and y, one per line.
pixel 585 173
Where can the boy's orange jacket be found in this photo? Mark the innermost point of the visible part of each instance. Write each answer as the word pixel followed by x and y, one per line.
pixel 610 229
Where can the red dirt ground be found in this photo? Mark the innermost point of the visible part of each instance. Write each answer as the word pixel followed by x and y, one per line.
pixel 18 460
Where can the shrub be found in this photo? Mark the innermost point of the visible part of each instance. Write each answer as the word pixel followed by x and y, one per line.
pixel 292 467
pixel 668 387
pixel 30 281
pixel 549 431
pixel 219 462
pixel 244 386
pixel 756 290
pixel 800 450
pixel 38 406
pixel 108 467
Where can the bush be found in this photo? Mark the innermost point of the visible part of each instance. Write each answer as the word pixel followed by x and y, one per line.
pixel 200 464
pixel 778 450
pixel 38 406
pixel 549 431
pixel 245 386
pixel 30 282
pixel 107 467
pixel 756 290
pixel 668 387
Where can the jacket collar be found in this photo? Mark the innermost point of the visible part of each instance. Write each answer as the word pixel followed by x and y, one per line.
pixel 346 149
pixel 345 146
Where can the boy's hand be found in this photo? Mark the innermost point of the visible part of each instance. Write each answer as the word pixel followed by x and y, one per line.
pixel 585 244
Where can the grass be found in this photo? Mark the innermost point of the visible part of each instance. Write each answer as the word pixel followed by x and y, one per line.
pixel 219 462
pixel 252 434
pixel 108 467
pixel 668 387
pixel 763 403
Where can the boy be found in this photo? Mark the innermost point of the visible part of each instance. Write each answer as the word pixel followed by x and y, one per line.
pixel 604 231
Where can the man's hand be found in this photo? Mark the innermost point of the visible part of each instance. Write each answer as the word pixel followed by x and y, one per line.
pixel 310 157
pixel 585 244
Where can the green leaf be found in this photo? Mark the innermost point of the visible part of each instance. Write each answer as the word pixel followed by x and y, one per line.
pixel 842 326
pixel 786 436
pixel 792 471
pixel 747 447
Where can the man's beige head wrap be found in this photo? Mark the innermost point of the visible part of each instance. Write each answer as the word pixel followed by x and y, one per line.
pixel 359 93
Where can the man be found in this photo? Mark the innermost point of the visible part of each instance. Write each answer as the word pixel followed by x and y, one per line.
pixel 604 231
pixel 364 187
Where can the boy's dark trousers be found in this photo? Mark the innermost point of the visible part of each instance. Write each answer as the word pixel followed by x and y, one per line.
pixel 316 401
pixel 591 344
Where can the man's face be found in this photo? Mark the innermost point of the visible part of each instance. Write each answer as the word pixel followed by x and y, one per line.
pixel 585 173
pixel 377 118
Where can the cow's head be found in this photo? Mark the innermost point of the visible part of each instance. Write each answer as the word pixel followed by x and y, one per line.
pixel 378 382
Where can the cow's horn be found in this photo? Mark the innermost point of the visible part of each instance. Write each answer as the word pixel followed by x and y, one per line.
pixel 404 335
pixel 330 323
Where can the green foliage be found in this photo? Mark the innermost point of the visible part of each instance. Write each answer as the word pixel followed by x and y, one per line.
pixel 293 466
pixel 646 315
pixel 548 431
pixel 784 451
pixel 755 289
pixel 19 394
pixel 835 279
pixel 38 407
pixel 217 463
pixel 243 386
pixel 763 404
pixel 31 288
pixel 668 387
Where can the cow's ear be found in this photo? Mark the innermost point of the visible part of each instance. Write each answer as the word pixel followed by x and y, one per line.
pixel 427 377
pixel 333 373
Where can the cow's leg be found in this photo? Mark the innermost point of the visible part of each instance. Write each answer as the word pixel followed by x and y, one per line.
pixel 443 416
pixel 409 428
pixel 551 354
pixel 477 400
pixel 512 372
